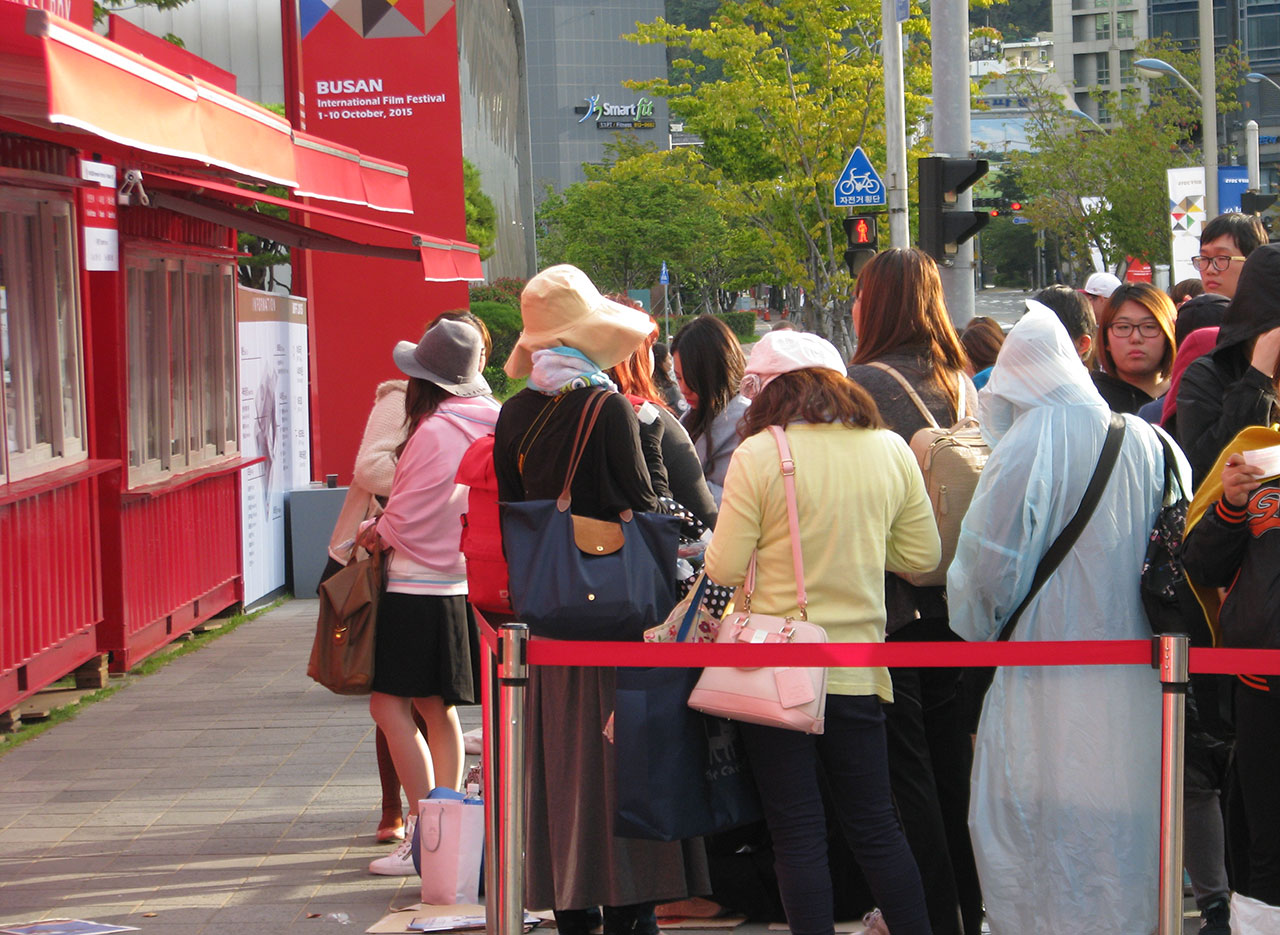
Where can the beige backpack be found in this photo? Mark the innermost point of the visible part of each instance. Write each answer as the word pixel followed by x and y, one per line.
pixel 951 460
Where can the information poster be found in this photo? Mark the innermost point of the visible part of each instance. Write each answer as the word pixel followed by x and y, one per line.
pixel 101 248
pixel 1186 217
pixel 274 426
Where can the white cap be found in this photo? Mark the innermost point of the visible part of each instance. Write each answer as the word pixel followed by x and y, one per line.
pixel 1101 284
pixel 780 352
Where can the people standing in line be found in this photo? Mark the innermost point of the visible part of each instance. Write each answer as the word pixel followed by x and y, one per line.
pixel 709 363
pixel 1135 347
pixel 981 339
pixel 1201 313
pixel 423 654
pixel 1225 243
pixel 862 508
pixel 574 863
pixel 674 468
pixel 1097 291
pixel 1234 386
pixel 385 430
pixel 1231 548
pixel 664 378
pixel 901 320
pixel 1064 819
pixel 1076 315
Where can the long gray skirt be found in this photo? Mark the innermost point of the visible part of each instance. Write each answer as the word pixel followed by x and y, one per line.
pixel 572 859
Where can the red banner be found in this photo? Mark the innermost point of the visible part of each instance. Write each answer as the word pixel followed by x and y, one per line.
pixel 380 76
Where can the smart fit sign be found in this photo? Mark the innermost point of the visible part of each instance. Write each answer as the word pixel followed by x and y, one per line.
pixel 380 76
pixel 637 116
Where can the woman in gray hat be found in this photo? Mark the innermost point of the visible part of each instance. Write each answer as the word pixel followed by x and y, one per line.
pixel 422 660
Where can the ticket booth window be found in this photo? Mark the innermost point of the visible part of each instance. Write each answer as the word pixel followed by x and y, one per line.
pixel 182 365
pixel 41 344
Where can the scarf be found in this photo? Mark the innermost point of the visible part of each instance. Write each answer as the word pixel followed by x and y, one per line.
pixel 558 370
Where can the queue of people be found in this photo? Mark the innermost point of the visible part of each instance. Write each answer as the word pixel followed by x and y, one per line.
pixel 1046 820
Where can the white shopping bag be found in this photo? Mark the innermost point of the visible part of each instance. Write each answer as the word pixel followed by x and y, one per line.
pixel 450 839
pixel 1251 917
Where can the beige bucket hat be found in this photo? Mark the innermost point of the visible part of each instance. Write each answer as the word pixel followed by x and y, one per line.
pixel 561 307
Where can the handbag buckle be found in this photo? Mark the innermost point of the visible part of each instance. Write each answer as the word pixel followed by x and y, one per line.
pixel 788 630
pixel 788 467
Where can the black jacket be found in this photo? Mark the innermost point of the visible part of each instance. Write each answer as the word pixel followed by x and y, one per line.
pixel 1119 395
pixel 1246 541
pixel 1221 393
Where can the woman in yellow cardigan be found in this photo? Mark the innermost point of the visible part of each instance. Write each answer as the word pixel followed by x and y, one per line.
pixel 862 508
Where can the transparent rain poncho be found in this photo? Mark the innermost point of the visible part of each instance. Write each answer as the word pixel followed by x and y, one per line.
pixel 1065 799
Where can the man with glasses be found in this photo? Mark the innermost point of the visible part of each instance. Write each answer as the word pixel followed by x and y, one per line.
pixel 1225 243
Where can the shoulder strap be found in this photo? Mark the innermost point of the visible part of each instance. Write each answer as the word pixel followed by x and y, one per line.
pixel 915 397
pixel 793 526
pixel 1071 532
pixel 1170 465
pixel 586 422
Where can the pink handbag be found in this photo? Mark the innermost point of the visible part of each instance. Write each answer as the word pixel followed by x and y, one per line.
pixel 775 696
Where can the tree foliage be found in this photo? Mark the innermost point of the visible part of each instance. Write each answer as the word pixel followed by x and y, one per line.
pixel 482 216
pixel 1107 189
pixel 801 84
pixel 641 208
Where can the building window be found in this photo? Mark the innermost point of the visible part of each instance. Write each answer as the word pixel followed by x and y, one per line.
pixel 1102 26
pixel 1102 66
pixel 41 346
pixel 182 364
pixel 1127 74
pixel 1124 25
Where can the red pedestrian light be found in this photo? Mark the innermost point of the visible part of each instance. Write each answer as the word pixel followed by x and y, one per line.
pixel 1016 206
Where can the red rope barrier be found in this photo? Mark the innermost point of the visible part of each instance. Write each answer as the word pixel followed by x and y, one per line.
pixel 853 655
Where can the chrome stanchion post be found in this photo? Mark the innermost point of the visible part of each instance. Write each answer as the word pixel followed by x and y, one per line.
pixel 489 770
pixel 513 678
pixel 1172 655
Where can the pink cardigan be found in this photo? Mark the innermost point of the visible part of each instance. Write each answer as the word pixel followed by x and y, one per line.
pixel 422 518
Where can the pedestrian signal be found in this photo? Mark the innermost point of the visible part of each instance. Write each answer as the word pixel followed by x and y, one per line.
pixel 861 231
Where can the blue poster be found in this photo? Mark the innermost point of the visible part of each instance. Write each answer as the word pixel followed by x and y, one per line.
pixel 1233 181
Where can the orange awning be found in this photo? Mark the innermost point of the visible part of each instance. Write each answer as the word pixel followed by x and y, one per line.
pixel 335 172
pixel 443 260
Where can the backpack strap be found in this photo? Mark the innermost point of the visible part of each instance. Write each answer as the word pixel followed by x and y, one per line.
pixel 915 397
pixel 1071 532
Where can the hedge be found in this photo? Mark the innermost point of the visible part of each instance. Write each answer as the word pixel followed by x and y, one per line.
pixel 503 321
pixel 742 324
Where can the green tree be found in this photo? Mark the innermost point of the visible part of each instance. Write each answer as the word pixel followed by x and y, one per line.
pixel 1106 188
pixel 801 85
pixel 482 216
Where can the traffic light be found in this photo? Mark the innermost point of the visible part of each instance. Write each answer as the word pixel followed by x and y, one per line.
pixel 942 228
pixel 860 230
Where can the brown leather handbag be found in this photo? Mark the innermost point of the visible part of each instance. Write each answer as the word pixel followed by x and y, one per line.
pixel 342 653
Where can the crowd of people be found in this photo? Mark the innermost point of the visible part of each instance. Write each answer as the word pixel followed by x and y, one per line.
pixel 941 798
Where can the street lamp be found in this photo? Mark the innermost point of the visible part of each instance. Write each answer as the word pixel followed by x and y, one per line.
pixel 1082 115
pixel 1255 77
pixel 1155 68
pixel 1207 96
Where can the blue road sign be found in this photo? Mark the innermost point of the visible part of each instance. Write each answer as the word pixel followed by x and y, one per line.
pixel 902 10
pixel 664 277
pixel 859 185
pixel 1018 220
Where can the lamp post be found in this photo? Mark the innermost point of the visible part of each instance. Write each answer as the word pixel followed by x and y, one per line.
pixel 1082 115
pixel 1255 77
pixel 1207 95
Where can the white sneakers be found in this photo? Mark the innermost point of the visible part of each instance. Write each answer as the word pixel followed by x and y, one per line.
pixel 399 863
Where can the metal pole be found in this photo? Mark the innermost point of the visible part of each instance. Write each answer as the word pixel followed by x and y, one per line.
pixel 951 134
pixel 489 771
pixel 513 678
pixel 1209 104
pixel 1172 654
pixel 1251 155
pixel 895 126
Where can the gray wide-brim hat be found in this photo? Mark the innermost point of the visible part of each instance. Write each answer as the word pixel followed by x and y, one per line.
pixel 448 355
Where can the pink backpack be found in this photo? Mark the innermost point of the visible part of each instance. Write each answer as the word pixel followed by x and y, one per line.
pixel 487 587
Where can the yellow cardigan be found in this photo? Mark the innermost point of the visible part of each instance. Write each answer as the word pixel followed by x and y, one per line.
pixel 863 508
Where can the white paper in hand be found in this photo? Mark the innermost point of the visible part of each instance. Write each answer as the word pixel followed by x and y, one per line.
pixel 1266 458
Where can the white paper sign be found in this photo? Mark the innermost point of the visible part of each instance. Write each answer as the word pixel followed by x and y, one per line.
pixel 98 215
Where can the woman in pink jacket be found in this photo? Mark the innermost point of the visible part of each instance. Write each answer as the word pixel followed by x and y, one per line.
pixel 422 660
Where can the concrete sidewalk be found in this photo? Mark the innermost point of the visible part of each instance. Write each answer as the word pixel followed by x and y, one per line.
pixel 226 793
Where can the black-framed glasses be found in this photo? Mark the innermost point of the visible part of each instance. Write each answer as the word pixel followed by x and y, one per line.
pixel 1123 329
pixel 1219 263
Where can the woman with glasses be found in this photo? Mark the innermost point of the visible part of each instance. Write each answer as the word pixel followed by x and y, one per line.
pixel 1135 347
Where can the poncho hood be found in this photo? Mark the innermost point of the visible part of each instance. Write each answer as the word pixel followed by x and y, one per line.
pixel 1038 366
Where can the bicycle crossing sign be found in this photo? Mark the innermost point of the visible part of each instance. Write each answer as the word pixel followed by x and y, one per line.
pixel 859 185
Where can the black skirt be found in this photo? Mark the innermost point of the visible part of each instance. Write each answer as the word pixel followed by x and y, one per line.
pixel 426 645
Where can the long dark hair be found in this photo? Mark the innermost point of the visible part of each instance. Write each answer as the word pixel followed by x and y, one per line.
pixel 421 399
pixel 901 303
pixel 814 394
pixel 711 364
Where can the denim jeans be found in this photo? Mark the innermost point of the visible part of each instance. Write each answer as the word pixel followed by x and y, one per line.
pixel 852 753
